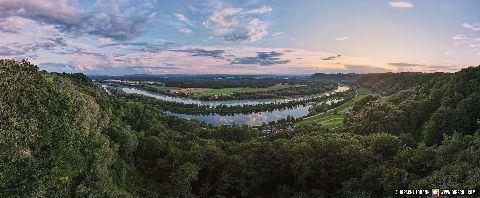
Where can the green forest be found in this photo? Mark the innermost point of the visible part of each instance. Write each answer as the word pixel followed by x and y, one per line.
pixel 62 136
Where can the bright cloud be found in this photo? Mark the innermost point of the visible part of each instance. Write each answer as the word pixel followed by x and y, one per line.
pixel 183 18
pixel 277 34
pixel 474 27
pixel 459 37
pixel 67 16
pixel 401 4
pixel 342 38
pixel 238 25
pixel 472 39
pixel 185 30
pixel 262 10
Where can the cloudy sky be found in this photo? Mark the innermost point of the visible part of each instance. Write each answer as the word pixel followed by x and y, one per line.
pixel 241 37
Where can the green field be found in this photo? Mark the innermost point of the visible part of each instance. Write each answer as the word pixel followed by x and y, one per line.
pixel 271 88
pixel 334 117
pixel 212 92
pixel 228 91
pixel 162 88
pixel 363 91
pixel 328 120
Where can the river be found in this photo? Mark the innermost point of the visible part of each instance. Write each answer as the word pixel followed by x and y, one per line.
pixel 250 119
pixel 163 97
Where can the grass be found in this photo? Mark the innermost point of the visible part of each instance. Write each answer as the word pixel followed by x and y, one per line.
pixel 328 120
pixel 363 91
pixel 224 91
pixel 271 88
pixel 228 91
pixel 346 106
pixel 162 88
pixel 333 118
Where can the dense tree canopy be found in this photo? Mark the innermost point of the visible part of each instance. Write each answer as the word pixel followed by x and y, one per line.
pixel 442 106
pixel 62 136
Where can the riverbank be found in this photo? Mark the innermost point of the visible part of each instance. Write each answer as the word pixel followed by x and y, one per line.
pixel 242 112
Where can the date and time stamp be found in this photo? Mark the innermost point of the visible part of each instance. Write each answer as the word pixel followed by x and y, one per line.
pixel 438 192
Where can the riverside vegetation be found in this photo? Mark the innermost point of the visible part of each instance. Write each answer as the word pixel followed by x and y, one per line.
pixel 233 88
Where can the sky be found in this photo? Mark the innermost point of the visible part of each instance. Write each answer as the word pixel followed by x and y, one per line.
pixel 120 37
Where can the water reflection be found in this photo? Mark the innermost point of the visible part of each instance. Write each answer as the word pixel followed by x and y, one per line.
pixel 229 102
pixel 250 119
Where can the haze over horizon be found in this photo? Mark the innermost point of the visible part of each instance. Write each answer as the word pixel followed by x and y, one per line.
pixel 119 37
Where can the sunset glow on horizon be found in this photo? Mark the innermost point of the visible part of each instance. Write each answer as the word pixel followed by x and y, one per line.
pixel 119 37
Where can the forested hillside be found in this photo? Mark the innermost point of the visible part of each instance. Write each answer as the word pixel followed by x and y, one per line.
pixel 383 83
pixel 441 106
pixel 62 136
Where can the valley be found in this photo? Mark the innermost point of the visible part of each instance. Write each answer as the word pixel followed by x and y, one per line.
pixel 240 112
pixel 117 140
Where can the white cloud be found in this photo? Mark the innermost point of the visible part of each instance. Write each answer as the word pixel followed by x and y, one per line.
pixel 256 30
pixel 224 18
pixel 459 37
pixel 109 19
pixel 474 45
pixel 342 38
pixel 469 40
pixel 183 18
pixel 262 10
pixel 277 34
pixel 401 4
pixel 185 30
pixel 105 41
pixel 238 25
pixel 474 27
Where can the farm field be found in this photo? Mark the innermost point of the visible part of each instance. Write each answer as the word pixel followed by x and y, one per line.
pixel 228 91
pixel 161 88
pixel 190 90
pixel 201 92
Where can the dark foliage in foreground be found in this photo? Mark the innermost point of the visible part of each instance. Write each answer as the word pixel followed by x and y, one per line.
pixel 62 136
